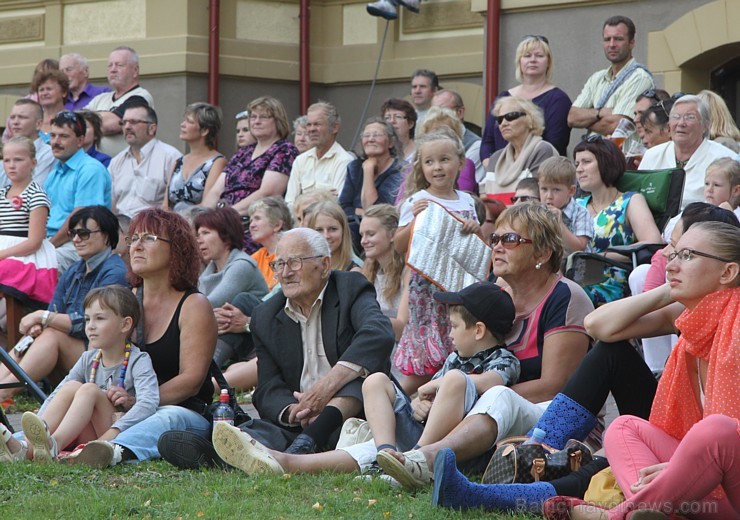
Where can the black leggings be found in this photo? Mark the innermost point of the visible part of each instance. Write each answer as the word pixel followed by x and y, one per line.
pixel 575 484
pixel 615 368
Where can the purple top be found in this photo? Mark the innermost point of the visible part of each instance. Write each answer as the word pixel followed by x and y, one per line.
pixel 86 96
pixel 554 103
pixel 243 176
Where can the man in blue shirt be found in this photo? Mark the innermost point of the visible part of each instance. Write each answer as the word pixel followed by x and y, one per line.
pixel 77 180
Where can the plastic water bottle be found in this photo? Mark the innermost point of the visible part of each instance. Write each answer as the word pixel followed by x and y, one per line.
pixel 223 412
pixel 538 436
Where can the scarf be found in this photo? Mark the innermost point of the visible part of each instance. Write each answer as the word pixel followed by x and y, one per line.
pixel 711 332
pixel 508 170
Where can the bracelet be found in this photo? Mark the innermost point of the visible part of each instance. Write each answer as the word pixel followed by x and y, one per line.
pixel 598 114
pixel 44 319
pixel 246 326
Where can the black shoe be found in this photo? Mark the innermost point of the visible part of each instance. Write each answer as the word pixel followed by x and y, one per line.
pixel 187 450
pixel 302 445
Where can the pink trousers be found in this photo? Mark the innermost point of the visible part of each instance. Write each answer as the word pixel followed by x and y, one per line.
pixel 708 456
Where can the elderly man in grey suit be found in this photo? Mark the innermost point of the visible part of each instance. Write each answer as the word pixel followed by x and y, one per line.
pixel 316 340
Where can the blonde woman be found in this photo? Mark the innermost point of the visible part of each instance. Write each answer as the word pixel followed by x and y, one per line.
pixel 328 218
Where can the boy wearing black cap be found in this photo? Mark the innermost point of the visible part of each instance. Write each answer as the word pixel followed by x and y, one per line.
pixel 480 316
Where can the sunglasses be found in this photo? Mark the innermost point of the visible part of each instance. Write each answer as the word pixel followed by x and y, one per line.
pixel 72 118
pixel 509 240
pixel 83 233
pixel 523 198
pixel 511 116
pixel 538 37
pixel 650 94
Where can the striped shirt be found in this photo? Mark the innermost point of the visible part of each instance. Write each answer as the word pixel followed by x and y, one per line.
pixel 622 102
pixel 15 212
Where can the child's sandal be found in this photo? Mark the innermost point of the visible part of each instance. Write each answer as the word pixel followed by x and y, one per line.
pixel 37 433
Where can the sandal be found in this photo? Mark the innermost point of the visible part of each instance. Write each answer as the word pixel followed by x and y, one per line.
pixel 5 454
pixel 37 433
pixel 240 450
pixel 412 474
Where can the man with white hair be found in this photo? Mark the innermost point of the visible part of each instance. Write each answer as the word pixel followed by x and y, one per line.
pixel 323 167
pixel 689 147
pixel 316 339
pixel 123 76
pixel 81 91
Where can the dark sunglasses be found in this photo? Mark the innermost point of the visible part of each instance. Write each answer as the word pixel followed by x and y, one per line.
pixel 83 233
pixel 592 138
pixel 509 240
pixel 511 116
pixel 650 94
pixel 523 198
pixel 72 118
pixel 537 37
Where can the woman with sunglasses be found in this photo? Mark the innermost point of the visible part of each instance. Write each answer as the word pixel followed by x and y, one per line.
pixel 533 64
pixel 59 332
pixel 177 329
pixel 521 123
pixel 619 218
pixel 614 367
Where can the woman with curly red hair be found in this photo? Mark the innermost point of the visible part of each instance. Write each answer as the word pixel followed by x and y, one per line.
pixel 179 333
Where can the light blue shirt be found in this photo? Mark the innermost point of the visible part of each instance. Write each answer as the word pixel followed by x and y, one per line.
pixel 80 181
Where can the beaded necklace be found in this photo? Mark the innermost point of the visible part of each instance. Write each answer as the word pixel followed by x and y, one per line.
pixel 124 365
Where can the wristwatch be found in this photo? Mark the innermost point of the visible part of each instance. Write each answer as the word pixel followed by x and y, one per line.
pixel 44 319
pixel 598 114
pixel 246 326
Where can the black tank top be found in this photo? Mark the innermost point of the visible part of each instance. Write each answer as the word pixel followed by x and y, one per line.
pixel 165 354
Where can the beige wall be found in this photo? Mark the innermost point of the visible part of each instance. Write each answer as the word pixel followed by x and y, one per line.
pixel 259 47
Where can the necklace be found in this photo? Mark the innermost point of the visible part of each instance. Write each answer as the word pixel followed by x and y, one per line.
pixel 124 365
pixel 593 206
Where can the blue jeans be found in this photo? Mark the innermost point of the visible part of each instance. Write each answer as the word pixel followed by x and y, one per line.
pixel 142 438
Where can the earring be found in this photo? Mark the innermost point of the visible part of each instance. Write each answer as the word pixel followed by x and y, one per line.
pixel 538 266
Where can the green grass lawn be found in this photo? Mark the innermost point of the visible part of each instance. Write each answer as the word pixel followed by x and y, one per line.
pixel 159 490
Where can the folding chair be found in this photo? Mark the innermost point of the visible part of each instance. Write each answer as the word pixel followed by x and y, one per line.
pixel 24 381
pixel 663 190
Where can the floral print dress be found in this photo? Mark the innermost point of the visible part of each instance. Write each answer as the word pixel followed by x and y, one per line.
pixel 610 229
pixel 425 342
pixel 243 175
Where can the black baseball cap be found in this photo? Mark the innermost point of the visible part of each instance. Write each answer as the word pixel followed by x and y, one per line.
pixel 486 301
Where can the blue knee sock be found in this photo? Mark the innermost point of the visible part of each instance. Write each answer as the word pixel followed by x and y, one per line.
pixel 452 489
pixel 565 419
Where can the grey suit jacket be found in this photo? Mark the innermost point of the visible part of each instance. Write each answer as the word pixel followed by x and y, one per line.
pixel 353 329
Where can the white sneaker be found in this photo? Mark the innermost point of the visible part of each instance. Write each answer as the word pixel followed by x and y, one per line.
pixel 37 433
pixel 95 454
pixel 354 431
pixel 384 9
pixel 239 449
pixel 5 454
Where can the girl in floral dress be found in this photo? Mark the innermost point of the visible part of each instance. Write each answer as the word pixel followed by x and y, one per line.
pixel 425 342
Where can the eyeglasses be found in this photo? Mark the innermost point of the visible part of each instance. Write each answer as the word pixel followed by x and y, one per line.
pixel 145 239
pixel 684 255
pixel 372 135
pixel 134 122
pixel 294 263
pixel 509 240
pixel 259 117
pixel 689 118
pixel 511 116
pixel 82 233
pixel 523 198
pixel 395 117
pixel 537 37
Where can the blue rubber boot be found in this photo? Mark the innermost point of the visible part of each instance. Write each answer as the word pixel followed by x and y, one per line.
pixel 452 489
pixel 564 419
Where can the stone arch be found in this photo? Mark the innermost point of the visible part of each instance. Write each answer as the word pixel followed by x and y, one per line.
pixel 687 51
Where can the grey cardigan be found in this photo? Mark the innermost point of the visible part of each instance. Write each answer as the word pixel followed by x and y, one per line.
pixel 240 274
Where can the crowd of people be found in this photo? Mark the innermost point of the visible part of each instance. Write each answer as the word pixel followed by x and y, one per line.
pixel 145 272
